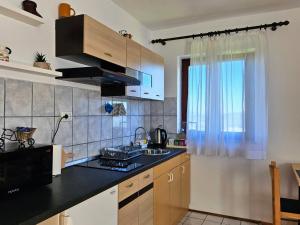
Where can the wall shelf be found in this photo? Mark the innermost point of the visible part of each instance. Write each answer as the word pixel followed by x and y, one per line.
pixel 13 12
pixel 29 69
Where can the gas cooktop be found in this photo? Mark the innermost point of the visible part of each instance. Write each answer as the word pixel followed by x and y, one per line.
pixel 115 165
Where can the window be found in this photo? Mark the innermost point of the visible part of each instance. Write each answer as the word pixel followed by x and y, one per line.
pixel 226 110
pixel 233 108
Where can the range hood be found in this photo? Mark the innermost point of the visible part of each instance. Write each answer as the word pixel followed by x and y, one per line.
pixel 95 75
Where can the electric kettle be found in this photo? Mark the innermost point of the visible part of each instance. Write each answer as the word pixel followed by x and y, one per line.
pixel 161 138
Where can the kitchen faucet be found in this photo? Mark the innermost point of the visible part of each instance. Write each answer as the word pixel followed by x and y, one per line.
pixel 145 133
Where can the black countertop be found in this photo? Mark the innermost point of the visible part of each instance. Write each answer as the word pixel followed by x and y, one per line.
pixel 76 184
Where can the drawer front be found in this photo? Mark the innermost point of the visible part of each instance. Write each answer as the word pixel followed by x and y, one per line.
pixel 167 166
pixel 146 214
pixel 129 214
pixel 104 43
pixel 133 91
pixel 145 178
pixel 128 187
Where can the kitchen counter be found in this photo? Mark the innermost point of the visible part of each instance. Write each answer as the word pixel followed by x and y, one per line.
pixel 76 184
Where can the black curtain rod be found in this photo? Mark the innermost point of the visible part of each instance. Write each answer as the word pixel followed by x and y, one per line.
pixel 273 27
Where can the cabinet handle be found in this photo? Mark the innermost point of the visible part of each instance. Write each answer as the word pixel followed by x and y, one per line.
pixel 64 218
pixel 130 185
pixel 147 176
pixel 107 54
pixel 170 177
pixel 112 192
pixel 183 169
pixel 146 93
pixel 132 90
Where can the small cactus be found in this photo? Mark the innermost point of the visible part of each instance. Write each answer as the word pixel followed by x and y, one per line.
pixel 40 57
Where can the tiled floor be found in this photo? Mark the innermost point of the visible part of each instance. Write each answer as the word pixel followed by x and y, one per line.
pixel 193 218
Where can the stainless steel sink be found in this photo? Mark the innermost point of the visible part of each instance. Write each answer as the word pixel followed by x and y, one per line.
pixel 155 152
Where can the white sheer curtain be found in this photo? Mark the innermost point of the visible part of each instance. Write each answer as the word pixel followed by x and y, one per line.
pixel 227 96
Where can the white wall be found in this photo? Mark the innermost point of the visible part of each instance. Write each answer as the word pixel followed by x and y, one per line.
pixel 25 40
pixel 240 187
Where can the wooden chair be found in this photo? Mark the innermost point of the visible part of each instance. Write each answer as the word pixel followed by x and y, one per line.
pixel 283 208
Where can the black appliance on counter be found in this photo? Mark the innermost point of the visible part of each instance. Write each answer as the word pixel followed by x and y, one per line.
pixel 24 168
pixel 160 139
pixel 116 159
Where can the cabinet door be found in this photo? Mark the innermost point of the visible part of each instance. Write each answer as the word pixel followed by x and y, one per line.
pixel 185 186
pixel 162 208
pixel 133 51
pixel 100 209
pixel 175 196
pixel 133 91
pixel 129 214
pixel 153 65
pixel 148 61
pixel 104 43
pixel 146 208
pixel 159 79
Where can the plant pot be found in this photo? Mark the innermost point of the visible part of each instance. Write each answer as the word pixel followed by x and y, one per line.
pixel 43 65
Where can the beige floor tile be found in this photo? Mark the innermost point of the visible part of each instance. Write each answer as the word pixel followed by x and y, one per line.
pixel 200 216
pixel 216 219
pixel 192 221
pixel 188 214
pixel 228 221
pixel 247 223
pixel 183 219
pixel 207 222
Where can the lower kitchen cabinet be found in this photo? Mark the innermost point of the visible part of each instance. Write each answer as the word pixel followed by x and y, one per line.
pixel 185 186
pixel 139 211
pixel 175 196
pixel 100 209
pixel 171 191
pixel 129 214
pixel 136 200
pixel 146 208
pixel 162 206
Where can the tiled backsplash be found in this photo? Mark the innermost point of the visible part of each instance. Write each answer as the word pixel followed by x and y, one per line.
pixel 40 105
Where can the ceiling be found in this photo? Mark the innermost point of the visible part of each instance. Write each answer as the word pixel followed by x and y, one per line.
pixel 160 14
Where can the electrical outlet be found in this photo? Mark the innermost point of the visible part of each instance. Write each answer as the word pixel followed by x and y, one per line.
pixel 70 118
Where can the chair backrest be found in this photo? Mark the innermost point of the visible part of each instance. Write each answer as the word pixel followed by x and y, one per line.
pixel 275 176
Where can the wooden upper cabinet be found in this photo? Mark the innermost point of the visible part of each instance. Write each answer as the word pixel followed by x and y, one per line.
pixel 133 51
pixel 102 42
pixel 85 40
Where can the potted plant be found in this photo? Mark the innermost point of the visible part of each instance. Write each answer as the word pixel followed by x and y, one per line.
pixel 41 61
